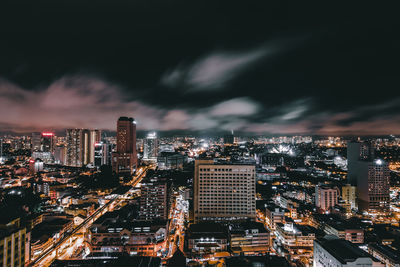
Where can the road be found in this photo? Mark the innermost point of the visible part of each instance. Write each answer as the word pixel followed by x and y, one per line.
pixel 49 255
pixel 178 213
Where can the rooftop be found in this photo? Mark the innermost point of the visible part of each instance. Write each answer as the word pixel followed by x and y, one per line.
pixel 343 250
pixel 394 255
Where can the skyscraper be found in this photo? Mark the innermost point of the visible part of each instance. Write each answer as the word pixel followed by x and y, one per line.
pixel 224 191
pixel 150 149
pixel 74 148
pixel 102 154
pixel 89 139
pixel 36 141
pixel 81 146
pixel 370 175
pixel 43 145
pixel 373 185
pixel 125 159
pixel 229 139
pixel 357 151
pixel 154 200
pixel 47 142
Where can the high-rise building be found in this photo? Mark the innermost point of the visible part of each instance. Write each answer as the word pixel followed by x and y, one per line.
pixel 349 195
pixel 154 200
pixel 47 142
pixel 373 185
pixel 150 147
pixel 12 244
pixel 60 154
pixel 357 151
pixel 42 146
pixel 224 191
pixel 370 175
pixel 102 154
pixel 125 159
pixel 89 139
pixel 229 139
pixel 74 147
pixel 81 146
pixel 36 141
pixel 326 197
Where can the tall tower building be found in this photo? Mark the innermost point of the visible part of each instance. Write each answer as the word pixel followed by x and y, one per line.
pixel 36 141
pixel 81 146
pixel 150 147
pixel 373 185
pixel 357 151
pixel 370 175
pixel 229 139
pixel 154 200
pixel 74 147
pixel 47 142
pixel 89 139
pixel 224 191
pixel 102 154
pixel 125 159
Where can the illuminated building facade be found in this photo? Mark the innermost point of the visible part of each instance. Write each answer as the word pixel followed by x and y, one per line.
pixel 370 175
pixel 150 147
pixel 125 159
pixel 154 200
pixel 349 195
pixel 47 144
pixel 249 238
pixel 81 146
pixel 373 185
pixel 74 148
pixel 89 139
pixel 102 154
pixel 296 240
pixel 224 191
pixel 326 197
pixel 274 215
pixel 12 244
pixel 356 152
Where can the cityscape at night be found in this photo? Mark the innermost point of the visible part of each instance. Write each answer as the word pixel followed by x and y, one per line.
pixel 182 133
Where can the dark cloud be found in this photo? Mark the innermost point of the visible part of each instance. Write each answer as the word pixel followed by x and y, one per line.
pixel 207 66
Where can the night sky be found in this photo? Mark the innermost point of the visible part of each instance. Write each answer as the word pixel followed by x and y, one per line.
pixel 255 67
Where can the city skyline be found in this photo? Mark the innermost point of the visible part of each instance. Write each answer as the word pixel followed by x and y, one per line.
pixel 278 70
pixel 199 133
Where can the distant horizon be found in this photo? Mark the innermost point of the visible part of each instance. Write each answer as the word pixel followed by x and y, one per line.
pixel 142 134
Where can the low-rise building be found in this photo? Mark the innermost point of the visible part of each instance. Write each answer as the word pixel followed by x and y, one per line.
pixel 274 215
pixel 295 240
pixel 142 238
pixel 341 253
pixel 206 238
pixel 249 238
pixel 346 231
pixel 387 255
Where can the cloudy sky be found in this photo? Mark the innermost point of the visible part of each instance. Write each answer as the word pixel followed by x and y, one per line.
pixel 200 66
